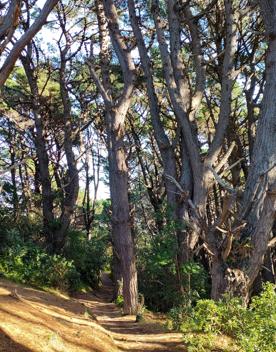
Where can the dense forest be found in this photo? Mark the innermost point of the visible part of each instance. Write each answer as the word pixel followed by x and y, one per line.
pixel 138 138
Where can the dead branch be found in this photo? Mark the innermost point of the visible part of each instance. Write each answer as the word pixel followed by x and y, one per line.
pixel 225 185
pixel 272 242
pixel 225 158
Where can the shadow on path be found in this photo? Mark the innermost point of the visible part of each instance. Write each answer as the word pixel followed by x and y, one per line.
pixel 8 345
pixel 127 334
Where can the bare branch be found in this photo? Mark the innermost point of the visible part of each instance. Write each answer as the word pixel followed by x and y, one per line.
pixel 272 242
pixel 107 99
pixel 221 182
pixel 123 55
pixel 226 84
pixel 225 158
pixel 24 40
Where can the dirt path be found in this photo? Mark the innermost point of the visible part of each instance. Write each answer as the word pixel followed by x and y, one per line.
pixel 127 334
pixel 37 321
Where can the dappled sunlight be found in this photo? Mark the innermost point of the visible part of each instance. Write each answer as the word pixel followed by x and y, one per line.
pixel 128 335
pixel 44 324
pixel 39 321
pixel 137 176
pixel 7 344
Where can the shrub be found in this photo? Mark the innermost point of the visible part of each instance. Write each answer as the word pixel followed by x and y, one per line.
pixel 89 256
pixel 28 263
pixel 178 315
pixel 119 301
pixel 157 273
pixel 253 328
pixel 22 228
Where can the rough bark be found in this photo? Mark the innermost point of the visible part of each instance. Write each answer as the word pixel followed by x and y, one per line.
pixel 177 206
pixel 115 115
pixel 258 209
pixel 42 154
pixel 9 23
pixel 121 228
pixel 259 202
pixel 55 226
pixel 71 188
pixel 163 142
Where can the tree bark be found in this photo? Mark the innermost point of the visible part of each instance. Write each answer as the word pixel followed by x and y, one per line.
pixel 121 227
pixel 258 209
pixel 115 115
pixel 71 189
pixel 42 155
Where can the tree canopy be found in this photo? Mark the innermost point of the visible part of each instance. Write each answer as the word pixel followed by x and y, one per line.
pixel 170 104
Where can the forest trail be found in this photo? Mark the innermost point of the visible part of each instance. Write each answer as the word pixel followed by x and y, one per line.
pixel 128 335
pixel 37 321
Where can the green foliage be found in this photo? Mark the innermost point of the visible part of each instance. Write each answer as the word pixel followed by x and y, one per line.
pixel 119 301
pixel 23 260
pixel 4 227
pixel 157 270
pixel 199 343
pixel 195 282
pixel 22 228
pixel 28 263
pixel 253 328
pixel 89 256
pixel 177 315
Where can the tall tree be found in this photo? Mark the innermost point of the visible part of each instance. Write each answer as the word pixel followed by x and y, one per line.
pixel 192 170
pixel 116 108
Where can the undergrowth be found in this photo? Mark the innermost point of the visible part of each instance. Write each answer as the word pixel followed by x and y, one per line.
pixel 24 260
pixel 253 328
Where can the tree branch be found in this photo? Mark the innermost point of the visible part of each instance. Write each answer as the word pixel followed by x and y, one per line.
pixel 24 40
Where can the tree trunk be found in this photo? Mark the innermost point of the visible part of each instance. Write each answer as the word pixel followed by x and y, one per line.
pixel 115 114
pixel 71 189
pixel 259 201
pixel 121 227
pixel 43 160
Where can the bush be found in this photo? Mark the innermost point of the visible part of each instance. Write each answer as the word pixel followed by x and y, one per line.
pixel 89 256
pixel 28 263
pixel 119 301
pixel 23 260
pixel 23 228
pixel 157 273
pixel 253 328
pixel 177 315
